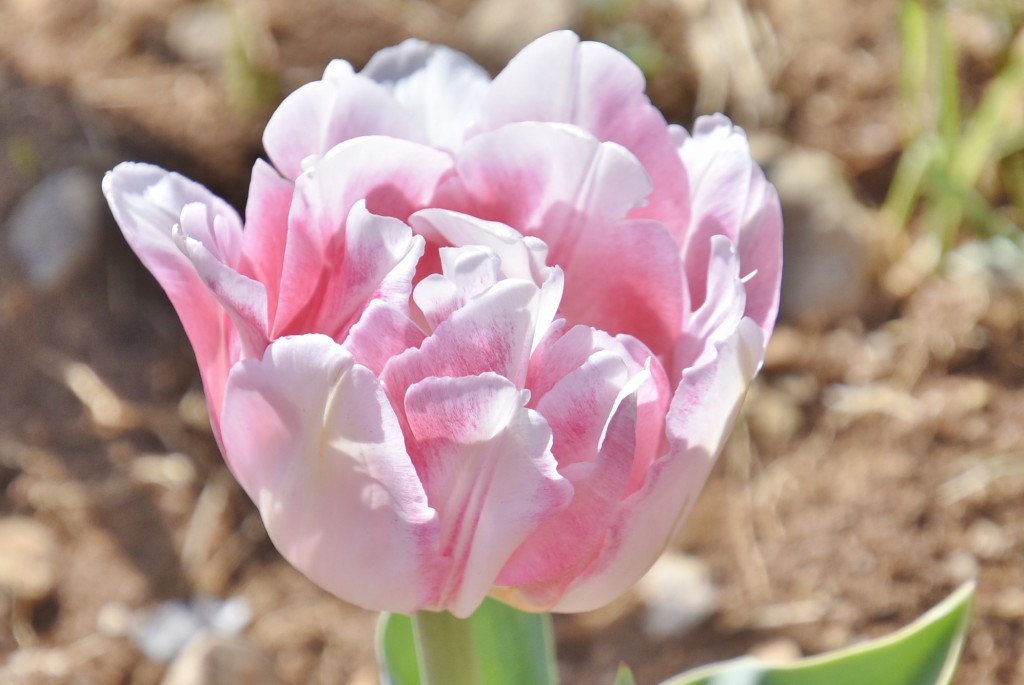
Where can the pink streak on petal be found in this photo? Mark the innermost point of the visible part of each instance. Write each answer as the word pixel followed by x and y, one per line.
pixel 488 470
pixel 266 229
pixel 394 177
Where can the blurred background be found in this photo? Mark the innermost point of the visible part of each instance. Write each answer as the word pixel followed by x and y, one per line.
pixel 879 460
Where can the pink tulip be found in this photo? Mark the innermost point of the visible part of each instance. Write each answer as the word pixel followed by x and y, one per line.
pixel 474 337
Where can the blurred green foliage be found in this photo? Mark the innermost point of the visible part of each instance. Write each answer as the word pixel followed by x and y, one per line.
pixel 962 166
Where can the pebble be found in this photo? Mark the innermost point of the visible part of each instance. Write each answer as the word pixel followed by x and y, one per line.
pixel 828 265
pixel 216 660
pixel 55 225
pixel 988 540
pixel 502 28
pixel 782 650
pixel 199 33
pixel 678 595
pixel 28 558
pixel 165 632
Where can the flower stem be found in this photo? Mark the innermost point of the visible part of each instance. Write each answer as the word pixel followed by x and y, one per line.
pixel 445 649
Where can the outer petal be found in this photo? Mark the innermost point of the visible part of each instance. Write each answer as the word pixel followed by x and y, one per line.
pixel 572 191
pixel 701 415
pixel 488 470
pixel 559 79
pixel 731 197
pixel 147 203
pixel 442 88
pixel 313 440
pixel 319 115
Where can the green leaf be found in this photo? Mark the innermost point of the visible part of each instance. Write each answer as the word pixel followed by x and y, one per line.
pixel 396 650
pixel 624 676
pixel 923 653
pixel 511 647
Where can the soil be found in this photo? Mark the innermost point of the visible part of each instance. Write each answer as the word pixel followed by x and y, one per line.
pixel 879 461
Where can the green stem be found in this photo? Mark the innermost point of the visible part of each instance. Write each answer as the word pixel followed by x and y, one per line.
pixel 445 649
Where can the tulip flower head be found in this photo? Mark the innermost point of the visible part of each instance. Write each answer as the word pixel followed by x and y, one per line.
pixel 473 337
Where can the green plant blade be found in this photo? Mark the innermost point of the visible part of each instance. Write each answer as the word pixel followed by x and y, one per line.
pixel 396 650
pixel 624 676
pixel 924 653
pixel 512 647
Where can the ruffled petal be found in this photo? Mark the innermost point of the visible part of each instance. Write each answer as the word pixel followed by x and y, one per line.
pixel 701 415
pixel 313 440
pixel 492 333
pixel 731 197
pixel 559 79
pixel 487 468
pixel 393 178
pixel 564 186
pixel 244 299
pixel 541 569
pixel 441 88
pixel 319 115
pixel 146 202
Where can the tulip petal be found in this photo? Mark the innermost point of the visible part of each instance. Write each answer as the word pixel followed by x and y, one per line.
pixel 319 115
pixel 548 561
pixel 442 88
pixel 487 468
pixel 266 229
pixel 573 192
pixel 492 333
pixel 146 202
pixel 559 79
pixel 731 197
pixel 393 178
pixel 700 417
pixel 244 299
pixel 313 440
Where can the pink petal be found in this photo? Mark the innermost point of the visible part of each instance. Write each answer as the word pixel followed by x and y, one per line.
pixel 548 561
pixel 266 229
pixel 382 332
pixel 492 333
pixel 559 79
pixel 440 87
pixel 244 299
pixel 719 314
pixel 701 415
pixel 731 197
pixel 147 203
pixel 319 115
pixel 487 468
pixel 316 445
pixel 394 177
pixel 570 190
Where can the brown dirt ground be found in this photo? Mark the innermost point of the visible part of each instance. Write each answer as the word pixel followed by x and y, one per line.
pixel 873 470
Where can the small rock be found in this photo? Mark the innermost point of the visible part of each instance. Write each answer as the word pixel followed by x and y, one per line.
pixel 988 540
pixel 960 566
pixel 502 28
pixel 780 651
pixel 215 660
pixel 28 558
pixel 828 266
pixel 165 632
pixel 678 595
pixel 55 225
pixel 199 33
